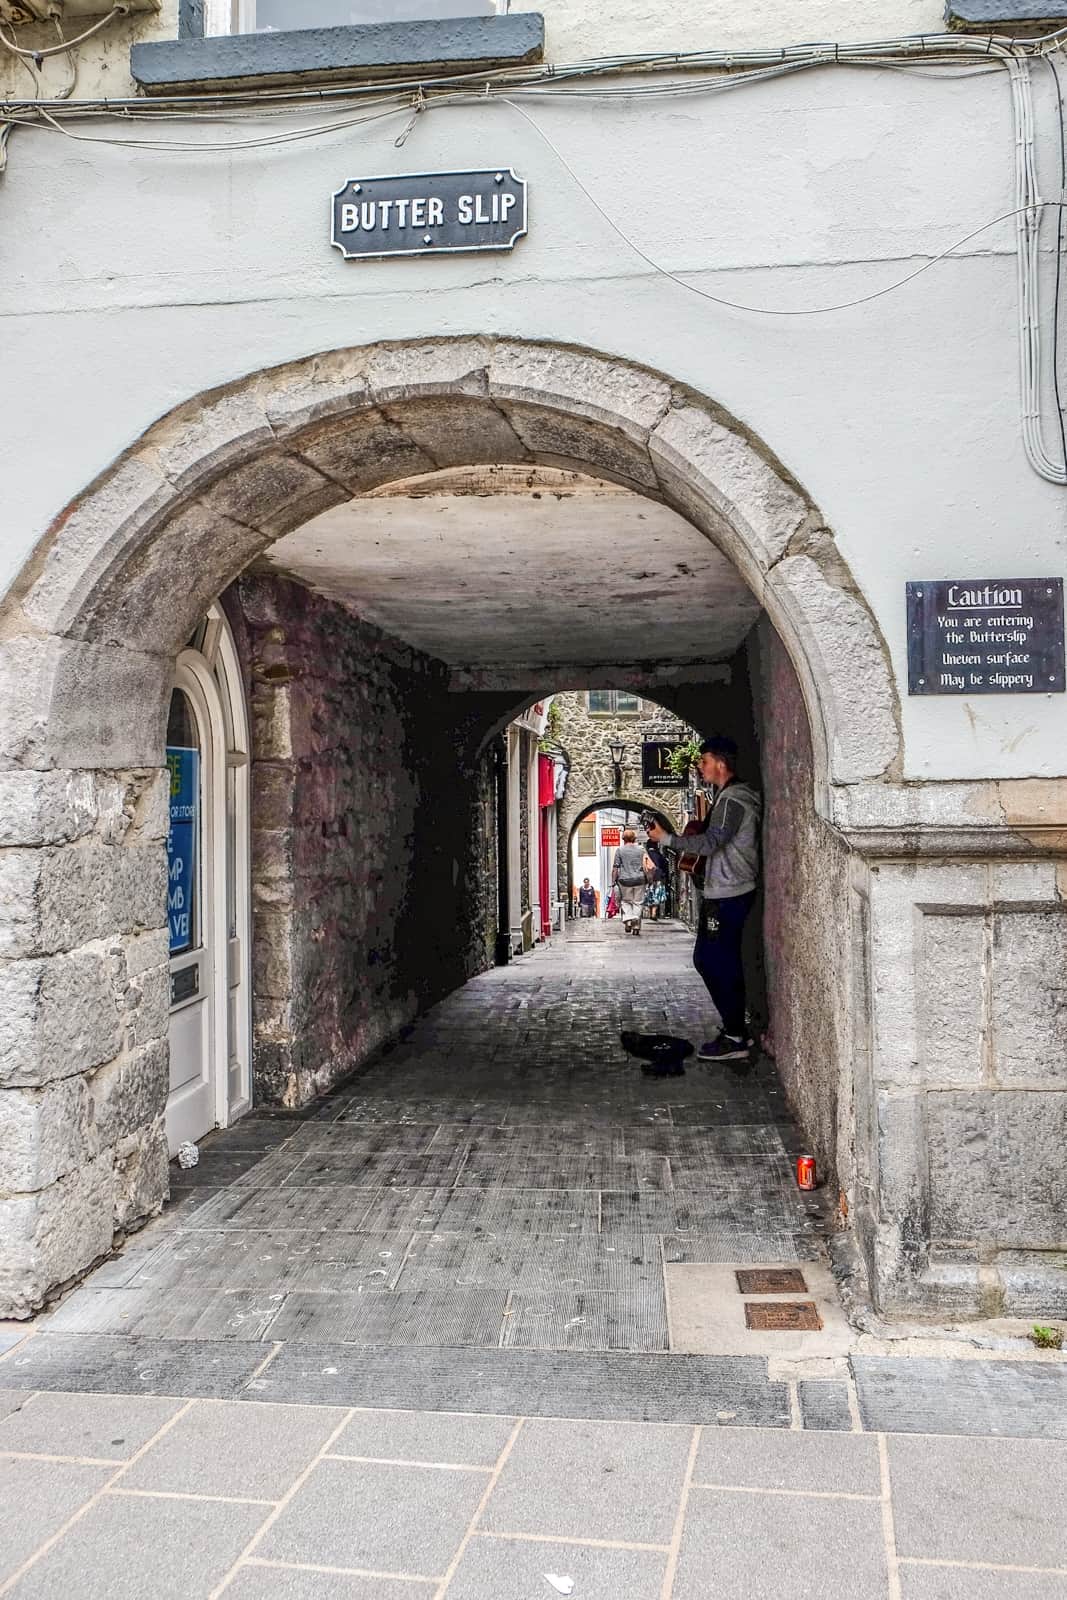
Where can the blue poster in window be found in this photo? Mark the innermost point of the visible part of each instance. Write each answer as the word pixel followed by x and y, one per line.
pixel 184 766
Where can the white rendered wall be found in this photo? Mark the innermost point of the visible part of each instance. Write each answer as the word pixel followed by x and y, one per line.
pixel 132 281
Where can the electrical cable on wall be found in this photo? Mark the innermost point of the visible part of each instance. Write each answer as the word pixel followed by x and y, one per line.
pixel 1056 389
pixel 120 9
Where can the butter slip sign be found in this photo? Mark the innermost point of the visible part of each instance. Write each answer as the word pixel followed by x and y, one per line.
pixel 429 213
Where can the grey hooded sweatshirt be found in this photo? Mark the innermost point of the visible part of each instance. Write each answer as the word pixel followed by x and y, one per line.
pixel 730 842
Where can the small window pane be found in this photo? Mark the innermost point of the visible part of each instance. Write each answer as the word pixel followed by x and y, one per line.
pixel 600 699
pixel 279 16
pixel 587 837
pixel 626 702
pixel 183 837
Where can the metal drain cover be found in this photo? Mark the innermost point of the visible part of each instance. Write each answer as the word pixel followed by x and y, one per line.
pixel 770 1280
pixel 782 1316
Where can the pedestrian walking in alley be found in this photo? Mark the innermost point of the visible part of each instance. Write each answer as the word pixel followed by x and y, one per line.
pixel 731 844
pixel 628 875
pixel 656 891
pixel 588 900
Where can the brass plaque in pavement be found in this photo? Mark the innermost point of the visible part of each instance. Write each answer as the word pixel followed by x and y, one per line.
pixel 782 1316
pixel 770 1280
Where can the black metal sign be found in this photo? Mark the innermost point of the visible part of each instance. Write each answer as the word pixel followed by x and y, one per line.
pixel 986 636
pixel 656 772
pixel 429 213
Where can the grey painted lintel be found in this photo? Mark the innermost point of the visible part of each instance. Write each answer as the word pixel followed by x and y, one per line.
pixel 322 55
pixel 1004 16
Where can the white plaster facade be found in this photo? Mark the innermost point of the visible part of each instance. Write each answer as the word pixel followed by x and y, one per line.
pixel 830 456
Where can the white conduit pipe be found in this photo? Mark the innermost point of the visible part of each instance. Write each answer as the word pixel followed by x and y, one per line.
pixel 1028 267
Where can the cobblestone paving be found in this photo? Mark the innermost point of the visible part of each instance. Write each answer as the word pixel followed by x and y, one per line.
pixel 506 1177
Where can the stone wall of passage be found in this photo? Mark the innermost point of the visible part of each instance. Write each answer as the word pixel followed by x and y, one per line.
pixel 83 1018
pixel 805 913
pixel 371 837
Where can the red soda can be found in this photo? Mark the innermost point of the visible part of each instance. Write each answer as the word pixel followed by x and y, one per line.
pixel 805 1172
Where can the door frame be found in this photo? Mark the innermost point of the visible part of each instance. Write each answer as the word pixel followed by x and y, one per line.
pixel 209 672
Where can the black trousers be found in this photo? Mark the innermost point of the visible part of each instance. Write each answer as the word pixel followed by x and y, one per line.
pixel 717 957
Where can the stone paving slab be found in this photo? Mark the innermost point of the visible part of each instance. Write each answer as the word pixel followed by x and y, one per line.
pixel 102 1426
pixel 377 1516
pixel 128 1546
pixel 38 1498
pixel 312 1502
pixel 270 1581
pixel 1027 1399
pixel 980 1500
pixel 217 1448
pixel 516 1567
pixel 294 1259
pixel 101 1364
pixel 741 1546
pixel 243 1314
pixel 689 1389
pixel 586 1320
pixel 607 1481
pixel 425 1317
pixel 978 1583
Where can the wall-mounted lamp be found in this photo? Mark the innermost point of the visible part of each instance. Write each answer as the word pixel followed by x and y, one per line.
pixel 616 749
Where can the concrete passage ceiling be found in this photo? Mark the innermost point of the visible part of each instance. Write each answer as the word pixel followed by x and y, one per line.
pixel 511 566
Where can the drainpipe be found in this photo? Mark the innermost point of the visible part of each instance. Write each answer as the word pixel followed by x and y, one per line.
pixel 502 948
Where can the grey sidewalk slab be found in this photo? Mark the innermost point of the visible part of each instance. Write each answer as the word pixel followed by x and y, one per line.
pixel 971 1583
pixel 514 1567
pixel 377 1517
pixel 101 1364
pixel 127 1546
pixel 38 1497
pixel 591 1480
pixel 745 1546
pixel 728 1390
pixel 987 1500
pixel 812 1462
pixel 108 1427
pixel 283 1583
pixel 1027 1399
pixel 221 1449
pixel 425 1436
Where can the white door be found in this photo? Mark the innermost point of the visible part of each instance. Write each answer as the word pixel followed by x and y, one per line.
pixel 208 888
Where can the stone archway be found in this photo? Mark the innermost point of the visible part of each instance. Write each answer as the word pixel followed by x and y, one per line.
pixel 575 812
pixel 92 628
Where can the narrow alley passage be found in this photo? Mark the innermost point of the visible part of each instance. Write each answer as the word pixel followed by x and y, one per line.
pixel 507 1176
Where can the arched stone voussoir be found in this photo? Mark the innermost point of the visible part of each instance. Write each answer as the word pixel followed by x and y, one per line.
pixel 575 409
pixel 458 430
pixel 833 636
pixel 701 463
pixel 427 367
pixel 579 384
